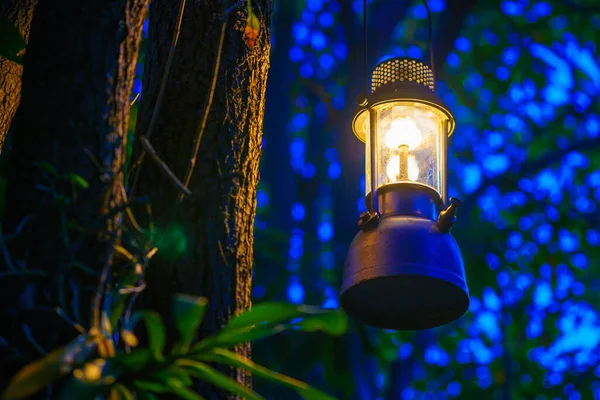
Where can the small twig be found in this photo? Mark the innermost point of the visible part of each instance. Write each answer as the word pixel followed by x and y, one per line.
pixel 82 267
pixel 164 167
pixel 22 224
pixel 125 254
pixel 24 272
pixel 61 313
pixel 4 250
pixel 161 92
pixel 137 96
pixel 102 285
pixel 133 289
pixel 165 77
pixel 222 251
pixel 32 340
pixel 150 221
pixel 95 161
pixel 134 295
pixel 129 309
pixel 211 93
pixel 75 300
pixel 129 218
pixel 151 253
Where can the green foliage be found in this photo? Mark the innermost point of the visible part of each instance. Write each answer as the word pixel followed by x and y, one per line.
pixel 266 320
pixel 188 313
pixel 172 241
pixel 12 44
pixel 235 360
pixel 39 374
pixel 47 167
pixel 202 371
pixel 156 331
pixel 119 391
pixel 96 368
pixel 77 180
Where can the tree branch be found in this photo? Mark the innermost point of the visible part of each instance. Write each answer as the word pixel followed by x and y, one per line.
pixel 506 181
pixel 164 167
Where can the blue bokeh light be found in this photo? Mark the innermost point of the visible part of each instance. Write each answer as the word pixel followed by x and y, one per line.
pixel 325 231
pixel 295 292
pixel 298 212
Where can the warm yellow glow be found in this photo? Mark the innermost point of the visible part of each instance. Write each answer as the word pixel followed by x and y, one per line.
pixel 404 131
pixel 393 168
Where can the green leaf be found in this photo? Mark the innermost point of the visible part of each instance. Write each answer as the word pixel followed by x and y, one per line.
pixel 132 362
pixel 150 386
pixel 46 166
pixel 155 329
pixel 334 323
pixel 77 180
pixel 259 322
pixel 142 395
pixel 232 337
pixel 210 375
pixel 174 372
pixel 188 313
pixel 122 392
pixel 78 389
pixel 39 374
pixel 270 313
pixel 12 44
pixel 183 392
pixel 235 360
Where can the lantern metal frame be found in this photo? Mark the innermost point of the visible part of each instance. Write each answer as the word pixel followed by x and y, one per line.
pixel 409 89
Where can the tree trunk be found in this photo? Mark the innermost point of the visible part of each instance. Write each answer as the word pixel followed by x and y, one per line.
pixel 73 116
pixel 212 229
pixel 19 13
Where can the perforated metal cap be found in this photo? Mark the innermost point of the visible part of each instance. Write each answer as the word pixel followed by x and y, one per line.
pixel 405 70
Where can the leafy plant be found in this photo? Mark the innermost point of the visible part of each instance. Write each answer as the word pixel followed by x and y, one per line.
pixel 94 367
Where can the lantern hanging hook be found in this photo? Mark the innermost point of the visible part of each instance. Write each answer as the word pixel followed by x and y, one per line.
pixel 431 62
pixel 362 100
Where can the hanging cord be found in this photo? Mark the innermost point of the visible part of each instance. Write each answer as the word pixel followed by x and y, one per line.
pixel 365 67
pixel 431 64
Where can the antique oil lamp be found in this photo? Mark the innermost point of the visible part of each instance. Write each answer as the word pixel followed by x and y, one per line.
pixel 404 270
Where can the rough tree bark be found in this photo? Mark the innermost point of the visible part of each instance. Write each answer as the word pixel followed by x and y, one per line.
pixel 19 13
pixel 78 76
pixel 217 220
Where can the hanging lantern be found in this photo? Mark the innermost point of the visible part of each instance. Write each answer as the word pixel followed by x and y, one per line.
pixel 404 270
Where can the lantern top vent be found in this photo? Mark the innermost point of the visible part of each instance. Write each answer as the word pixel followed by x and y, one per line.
pixel 402 70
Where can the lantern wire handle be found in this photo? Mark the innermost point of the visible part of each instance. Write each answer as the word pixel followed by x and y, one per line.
pixel 431 63
pixel 365 70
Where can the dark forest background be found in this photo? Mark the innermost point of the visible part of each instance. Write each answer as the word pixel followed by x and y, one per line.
pixel 522 78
